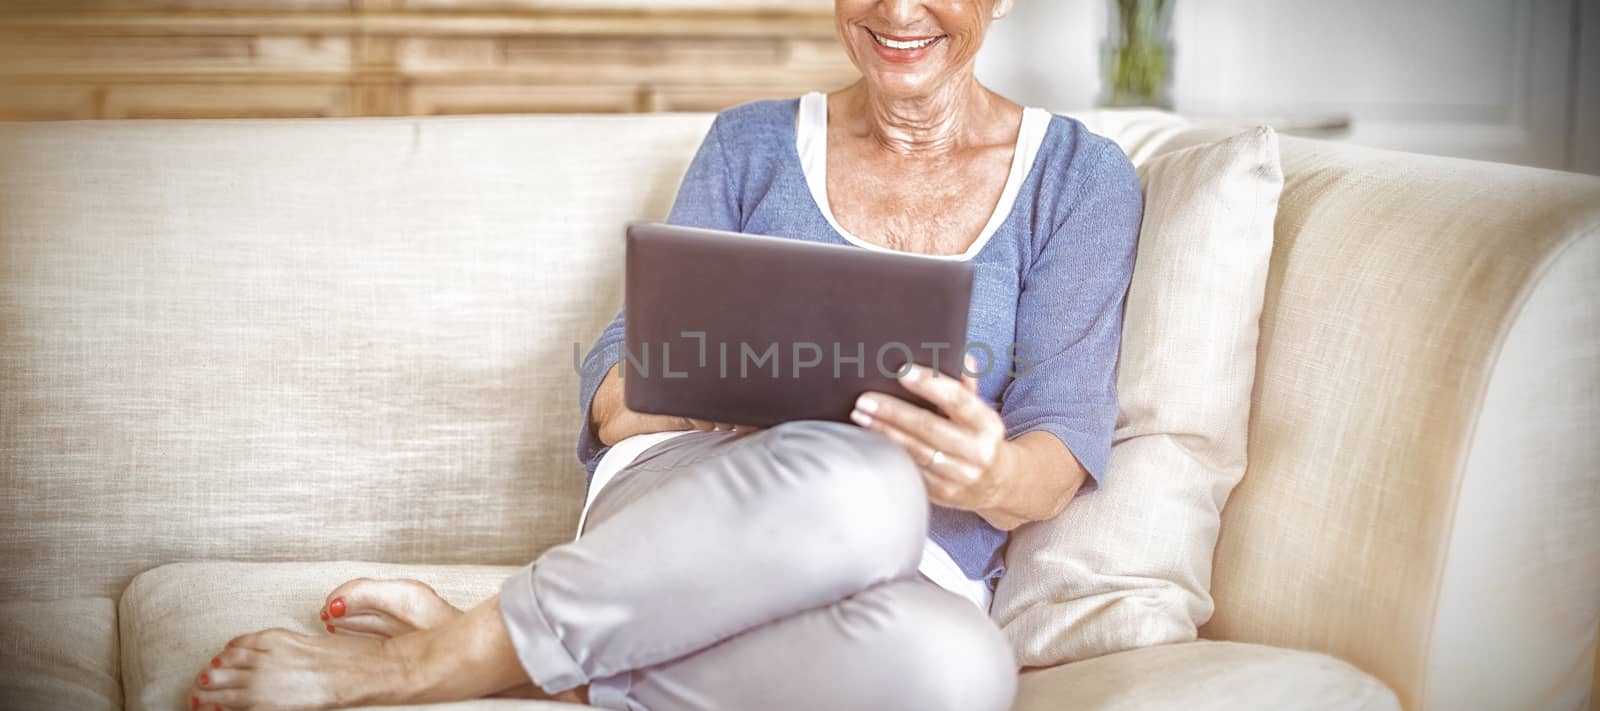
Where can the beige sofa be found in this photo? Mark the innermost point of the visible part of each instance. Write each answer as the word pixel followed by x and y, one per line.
pixel 269 342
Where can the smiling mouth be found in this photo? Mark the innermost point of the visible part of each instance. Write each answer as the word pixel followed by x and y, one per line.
pixel 904 43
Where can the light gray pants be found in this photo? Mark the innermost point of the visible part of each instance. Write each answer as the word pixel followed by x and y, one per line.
pixel 771 571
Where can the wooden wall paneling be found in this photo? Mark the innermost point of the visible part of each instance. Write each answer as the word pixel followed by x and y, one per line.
pixel 813 6
pixel 376 87
pixel 124 101
pixel 461 98
pixel 772 25
pixel 82 6
pixel 90 54
pixel 44 102
pixel 713 98
pixel 205 58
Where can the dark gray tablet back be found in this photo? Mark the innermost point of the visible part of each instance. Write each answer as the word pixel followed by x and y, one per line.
pixel 755 330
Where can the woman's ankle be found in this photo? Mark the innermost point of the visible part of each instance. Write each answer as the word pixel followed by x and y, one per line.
pixel 467 658
pixel 419 676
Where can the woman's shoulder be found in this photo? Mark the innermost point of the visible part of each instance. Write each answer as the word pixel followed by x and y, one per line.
pixel 751 125
pixel 1083 173
pixel 1072 147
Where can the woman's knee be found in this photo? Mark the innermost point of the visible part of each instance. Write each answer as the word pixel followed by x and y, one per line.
pixel 865 487
pixel 873 465
pixel 953 656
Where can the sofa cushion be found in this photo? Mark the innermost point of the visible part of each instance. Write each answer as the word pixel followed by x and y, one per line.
pixel 359 331
pixel 175 617
pixel 1129 564
pixel 59 654
pixel 1205 676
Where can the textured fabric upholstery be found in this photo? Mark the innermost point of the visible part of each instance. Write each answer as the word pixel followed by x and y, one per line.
pixel 1369 526
pixel 60 654
pixel 1205 676
pixel 1130 564
pixel 1519 591
pixel 176 617
pixel 304 340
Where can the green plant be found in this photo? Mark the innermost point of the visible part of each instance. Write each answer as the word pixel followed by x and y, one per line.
pixel 1138 54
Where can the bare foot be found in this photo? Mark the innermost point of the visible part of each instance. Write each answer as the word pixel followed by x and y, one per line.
pixel 384 608
pixel 279 669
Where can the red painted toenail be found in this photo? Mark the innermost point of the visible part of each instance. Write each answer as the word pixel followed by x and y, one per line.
pixel 205 678
pixel 337 607
pixel 330 629
pixel 216 662
pixel 324 615
pixel 194 701
pixel 229 645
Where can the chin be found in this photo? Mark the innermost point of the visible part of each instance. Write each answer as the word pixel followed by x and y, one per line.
pixel 902 83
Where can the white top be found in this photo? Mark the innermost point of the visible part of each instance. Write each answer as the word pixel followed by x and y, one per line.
pixel 811 140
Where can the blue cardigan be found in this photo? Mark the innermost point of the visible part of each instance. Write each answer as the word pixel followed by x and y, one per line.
pixel 1052 280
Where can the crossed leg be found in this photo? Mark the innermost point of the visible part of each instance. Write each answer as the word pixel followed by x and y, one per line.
pixel 803 538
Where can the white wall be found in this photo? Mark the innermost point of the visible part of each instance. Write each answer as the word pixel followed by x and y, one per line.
pixel 1488 79
pixel 1046 53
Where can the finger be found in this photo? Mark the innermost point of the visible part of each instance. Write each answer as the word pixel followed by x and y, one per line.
pixel 948 469
pixel 943 492
pixel 949 395
pixel 930 428
pixel 969 373
pixel 919 451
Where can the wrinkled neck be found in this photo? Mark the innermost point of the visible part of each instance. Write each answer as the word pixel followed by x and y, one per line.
pixel 936 123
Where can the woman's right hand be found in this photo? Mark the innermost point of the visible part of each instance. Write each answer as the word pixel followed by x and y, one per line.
pixel 613 421
pixel 704 426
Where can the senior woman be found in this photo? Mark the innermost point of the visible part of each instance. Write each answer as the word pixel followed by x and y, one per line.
pixel 810 565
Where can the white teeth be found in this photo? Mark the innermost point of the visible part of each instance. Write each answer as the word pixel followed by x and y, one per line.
pixel 897 44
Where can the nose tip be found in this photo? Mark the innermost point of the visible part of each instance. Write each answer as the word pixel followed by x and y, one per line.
pixel 901 12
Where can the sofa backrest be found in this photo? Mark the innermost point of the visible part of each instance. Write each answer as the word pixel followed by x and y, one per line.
pixel 304 340
pixel 327 339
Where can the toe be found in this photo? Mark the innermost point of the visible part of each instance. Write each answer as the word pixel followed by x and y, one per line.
pixel 259 641
pixel 360 596
pixel 244 641
pixel 218 699
pixel 350 594
pixel 235 657
pixel 224 678
pixel 371 624
pixel 409 603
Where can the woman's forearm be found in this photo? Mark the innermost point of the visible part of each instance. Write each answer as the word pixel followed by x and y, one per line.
pixel 1038 477
pixel 613 421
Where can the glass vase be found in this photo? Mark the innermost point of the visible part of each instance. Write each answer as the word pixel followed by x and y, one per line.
pixel 1136 58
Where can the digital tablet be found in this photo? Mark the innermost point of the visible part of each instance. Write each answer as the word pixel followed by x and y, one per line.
pixel 753 330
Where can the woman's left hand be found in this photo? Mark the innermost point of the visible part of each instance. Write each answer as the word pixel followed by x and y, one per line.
pixel 962 452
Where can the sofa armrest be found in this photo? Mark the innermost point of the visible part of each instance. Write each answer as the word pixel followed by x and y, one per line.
pixel 1199 676
pixel 1423 472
